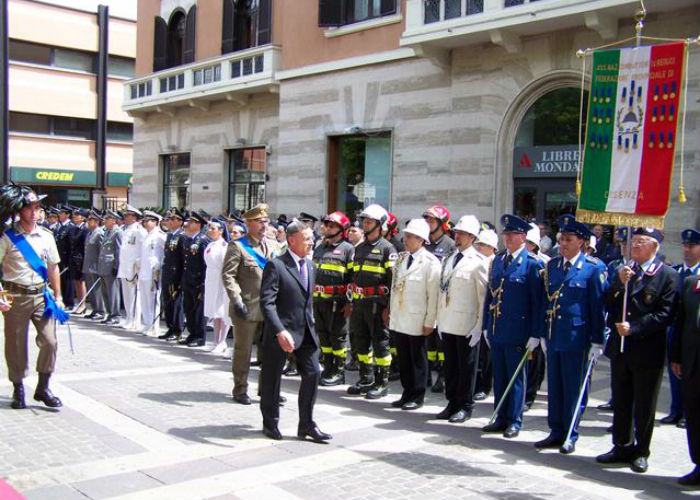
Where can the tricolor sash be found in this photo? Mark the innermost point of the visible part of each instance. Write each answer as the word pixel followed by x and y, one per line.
pixel 51 308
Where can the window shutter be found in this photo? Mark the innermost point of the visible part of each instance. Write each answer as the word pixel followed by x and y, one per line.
pixel 227 31
pixel 190 36
pixel 264 22
pixel 388 7
pixel 160 42
pixel 330 12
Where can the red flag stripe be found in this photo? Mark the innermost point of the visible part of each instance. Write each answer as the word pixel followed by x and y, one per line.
pixel 660 126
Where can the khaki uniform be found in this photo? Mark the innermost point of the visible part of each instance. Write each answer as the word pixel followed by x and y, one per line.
pixel 26 288
pixel 242 278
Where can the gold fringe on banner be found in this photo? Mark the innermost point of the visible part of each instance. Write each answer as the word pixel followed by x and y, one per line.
pixel 619 219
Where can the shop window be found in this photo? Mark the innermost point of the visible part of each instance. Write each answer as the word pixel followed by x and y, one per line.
pixel 122 132
pixel 246 174
pixel 359 172
pixel 245 24
pixel 120 66
pixel 176 180
pixel 341 12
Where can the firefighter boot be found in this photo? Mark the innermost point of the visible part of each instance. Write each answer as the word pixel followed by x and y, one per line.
pixel 381 384
pixel 365 383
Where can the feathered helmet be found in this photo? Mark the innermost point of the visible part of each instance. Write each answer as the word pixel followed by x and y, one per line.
pixel 14 198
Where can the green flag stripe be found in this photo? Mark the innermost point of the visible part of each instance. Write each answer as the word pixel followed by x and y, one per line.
pixel 599 138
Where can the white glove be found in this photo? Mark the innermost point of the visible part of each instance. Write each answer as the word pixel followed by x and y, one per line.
pixel 595 352
pixel 474 337
pixel 543 345
pixel 532 343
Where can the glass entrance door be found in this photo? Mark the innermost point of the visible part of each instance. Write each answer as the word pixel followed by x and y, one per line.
pixel 544 200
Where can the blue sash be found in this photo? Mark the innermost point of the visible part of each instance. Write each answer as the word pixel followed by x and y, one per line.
pixel 51 308
pixel 260 260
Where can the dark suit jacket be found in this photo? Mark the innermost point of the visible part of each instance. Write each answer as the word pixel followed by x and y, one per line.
pixel 284 302
pixel 651 304
pixel 686 341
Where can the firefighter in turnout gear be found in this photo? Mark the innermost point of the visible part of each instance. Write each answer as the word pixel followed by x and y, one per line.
pixel 333 259
pixel 372 270
pixel 441 246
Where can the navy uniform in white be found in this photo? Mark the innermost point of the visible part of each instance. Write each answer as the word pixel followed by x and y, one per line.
pixel 150 262
pixel 129 259
pixel 513 320
pixel 575 301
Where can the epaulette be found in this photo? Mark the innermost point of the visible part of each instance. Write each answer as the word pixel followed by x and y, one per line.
pixel 593 260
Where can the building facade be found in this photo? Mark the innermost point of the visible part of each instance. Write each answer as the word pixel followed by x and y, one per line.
pixel 470 103
pixel 56 103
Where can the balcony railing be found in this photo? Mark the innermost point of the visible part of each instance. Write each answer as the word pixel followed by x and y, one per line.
pixel 449 23
pixel 241 72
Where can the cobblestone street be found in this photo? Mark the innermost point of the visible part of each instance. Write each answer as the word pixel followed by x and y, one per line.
pixel 147 420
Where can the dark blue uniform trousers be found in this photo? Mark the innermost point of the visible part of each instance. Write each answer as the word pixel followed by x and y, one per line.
pixel 505 359
pixel 565 372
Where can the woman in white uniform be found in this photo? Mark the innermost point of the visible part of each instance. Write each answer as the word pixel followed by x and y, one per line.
pixel 215 299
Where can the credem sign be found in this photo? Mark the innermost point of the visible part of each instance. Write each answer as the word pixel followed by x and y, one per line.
pixel 53 177
pixel 546 161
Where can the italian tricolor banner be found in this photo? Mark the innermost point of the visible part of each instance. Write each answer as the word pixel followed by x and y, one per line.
pixel 631 135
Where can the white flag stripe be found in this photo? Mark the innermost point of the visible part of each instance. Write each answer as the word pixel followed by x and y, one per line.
pixel 625 165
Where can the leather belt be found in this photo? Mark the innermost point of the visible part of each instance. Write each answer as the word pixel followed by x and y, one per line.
pixel 21 289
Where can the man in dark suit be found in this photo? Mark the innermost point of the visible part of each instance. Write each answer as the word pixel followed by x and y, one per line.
pixel 286 303
pixel 685 363
pixel 637 365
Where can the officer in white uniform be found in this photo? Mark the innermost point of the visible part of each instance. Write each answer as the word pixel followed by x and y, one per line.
pixel 150 262
pixel 129 255
pixel 414 293
pixel 462 291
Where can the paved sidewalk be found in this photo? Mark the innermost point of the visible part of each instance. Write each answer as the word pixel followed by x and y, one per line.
pixel 147 420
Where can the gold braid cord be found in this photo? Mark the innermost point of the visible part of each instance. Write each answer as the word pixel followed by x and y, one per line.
pixel 620 219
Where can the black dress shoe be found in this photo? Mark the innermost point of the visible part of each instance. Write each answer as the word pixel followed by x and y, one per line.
pixel 670 419
pixel 173 337
pixel 614 456
pixel 640 465
pixel 399 402
pixel 313 432
pixel 243 399
pixel 412 405
pixel 445 414
pixel 272 433
pixel 186 340
pixel 567 448
pixel 480 396
pixel 255 363
pixel 692 479
pixel 196 343
pixel 681 423
pixel 511 432
pixel 460 417
pixel 494 427
pixel 549 442
pixel 606 406
pixel 47 397
pixel 164 336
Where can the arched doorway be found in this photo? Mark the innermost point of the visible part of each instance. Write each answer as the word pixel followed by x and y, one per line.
pixel 546 156
pixel 177 27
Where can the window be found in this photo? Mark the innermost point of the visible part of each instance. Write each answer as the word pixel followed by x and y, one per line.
pixel 176 180
pixel 246 170
pixel 30 52
pixel 52 56
pixel 246 24
pixel 359 172
pixel 74 127
pixel 553 120
pixel 174 41
pixel 63 126
pixel 453 9
pixel 207 75
pixel 123 132
pixel 342 12
pixel 120 66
